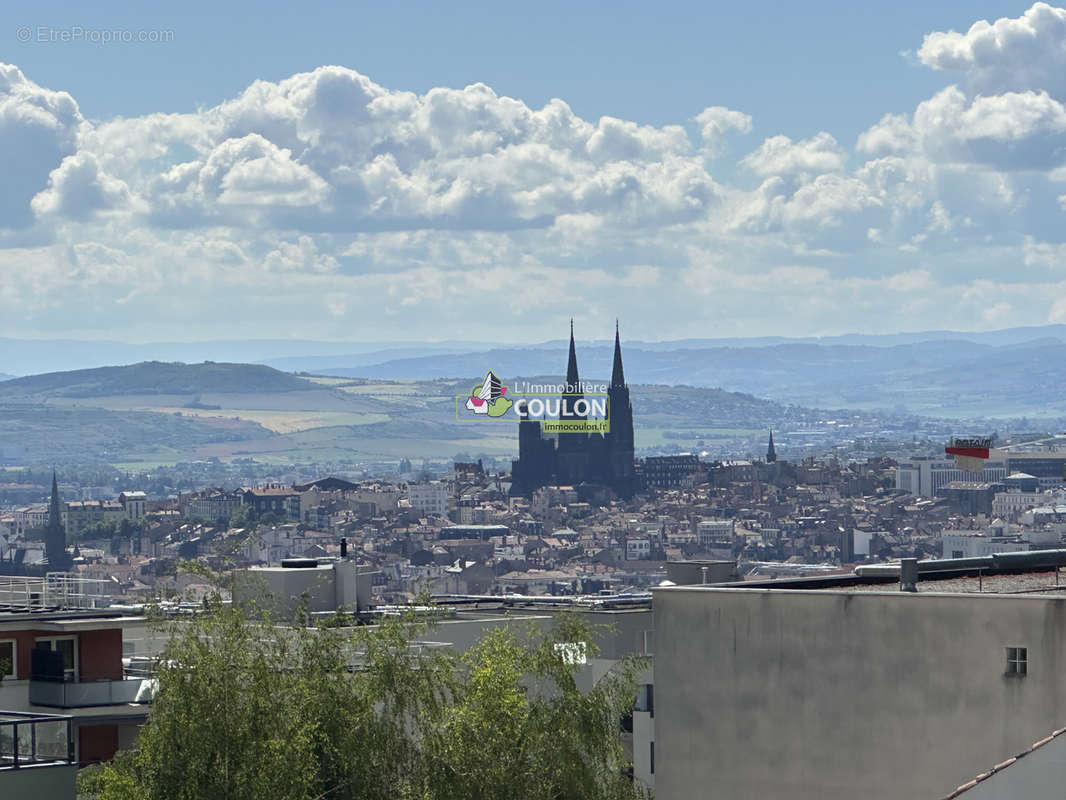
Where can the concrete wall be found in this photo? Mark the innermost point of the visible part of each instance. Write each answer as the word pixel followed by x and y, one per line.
pixel 817 695
pixel 1041 773
pixel 37 783
pixel 328 587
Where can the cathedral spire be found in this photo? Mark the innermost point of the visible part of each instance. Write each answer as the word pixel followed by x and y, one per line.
pixel 54 515
pixel 618 378
pixel 571 365
pixel 771 453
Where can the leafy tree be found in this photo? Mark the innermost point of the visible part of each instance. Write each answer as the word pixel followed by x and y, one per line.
pixel 241 518
pixel 247 710
pixel 104 529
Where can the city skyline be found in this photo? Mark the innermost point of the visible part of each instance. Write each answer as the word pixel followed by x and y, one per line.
pixel 326 202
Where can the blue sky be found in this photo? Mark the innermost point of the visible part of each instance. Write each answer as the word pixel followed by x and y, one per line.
pixel 797 68
pixel 715 170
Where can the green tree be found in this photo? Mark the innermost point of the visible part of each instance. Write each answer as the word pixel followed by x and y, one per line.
pixel 247 709
pixel 241 518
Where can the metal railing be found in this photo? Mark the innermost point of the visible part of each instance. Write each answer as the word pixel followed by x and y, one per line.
pixel 34 739
pixel 63 694
pixel 56 590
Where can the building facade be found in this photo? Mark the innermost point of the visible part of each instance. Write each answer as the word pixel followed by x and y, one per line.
pixel 859 691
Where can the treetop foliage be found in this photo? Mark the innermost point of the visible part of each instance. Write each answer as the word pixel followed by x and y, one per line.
pixel 247 710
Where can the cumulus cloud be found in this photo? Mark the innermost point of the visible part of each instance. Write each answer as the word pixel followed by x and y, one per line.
pixel 38 128
pixel 779 155
pixel 78 188
pixel 337 203
pixel 716 123
pixel 1025 53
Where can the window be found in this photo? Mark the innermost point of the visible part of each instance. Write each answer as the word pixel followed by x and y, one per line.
pixel 1017 660
pixel 646 699
pixel 956 554
pixel 651 753
pixel 8 659
pixel 68 646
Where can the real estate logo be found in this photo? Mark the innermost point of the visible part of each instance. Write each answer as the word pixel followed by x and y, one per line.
pixel 489 397
pixel 560 408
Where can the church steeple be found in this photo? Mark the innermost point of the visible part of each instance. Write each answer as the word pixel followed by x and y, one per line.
pixel 618 378
pixel 771 453
pixel 55 536
pixel 571 365
pixel 55 518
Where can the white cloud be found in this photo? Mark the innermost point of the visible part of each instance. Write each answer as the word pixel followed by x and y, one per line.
pixel 779 155
pixel 38 128
pixel 1028 52
pixel 717 122
pixel 328 203
pixel 78 188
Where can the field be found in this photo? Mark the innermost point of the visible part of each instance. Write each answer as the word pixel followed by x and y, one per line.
pixel 118 419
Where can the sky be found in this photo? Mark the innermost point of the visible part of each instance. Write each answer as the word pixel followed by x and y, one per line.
pixel 382 172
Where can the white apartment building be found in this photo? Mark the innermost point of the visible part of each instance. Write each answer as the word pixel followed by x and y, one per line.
pixel 1007 504
pixel 973 544
pixel 429 498
pixel 637 549
pixel 923 475
pixel 713 530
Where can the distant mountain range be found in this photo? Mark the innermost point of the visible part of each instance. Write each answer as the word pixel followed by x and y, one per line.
pixel 1013 372
pixel 156 412
pixel 154 378
pixel 36 356
pixel 944 378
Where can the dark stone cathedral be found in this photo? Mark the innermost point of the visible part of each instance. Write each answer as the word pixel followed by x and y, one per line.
pixel 604 459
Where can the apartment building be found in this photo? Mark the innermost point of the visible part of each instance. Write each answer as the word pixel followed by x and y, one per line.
pixel 60 655
pixel 846 686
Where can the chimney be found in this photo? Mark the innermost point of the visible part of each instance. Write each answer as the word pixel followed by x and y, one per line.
pixel 344 547
pixel 908 575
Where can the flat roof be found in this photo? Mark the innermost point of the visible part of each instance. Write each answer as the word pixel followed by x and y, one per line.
pixel 1037 583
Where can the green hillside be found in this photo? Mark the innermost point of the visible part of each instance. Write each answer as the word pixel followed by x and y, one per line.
pixel 163 413
pixel 155 377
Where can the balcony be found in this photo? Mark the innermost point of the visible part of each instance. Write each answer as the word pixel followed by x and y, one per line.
pixel 36 756
pixel 64 694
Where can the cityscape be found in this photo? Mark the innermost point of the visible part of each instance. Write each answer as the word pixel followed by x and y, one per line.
pixel 376 437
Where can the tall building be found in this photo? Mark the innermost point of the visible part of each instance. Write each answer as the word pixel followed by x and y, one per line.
pixel 575 458
pixel 771 453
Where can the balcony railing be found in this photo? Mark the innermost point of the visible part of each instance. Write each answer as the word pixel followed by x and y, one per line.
pixel 34 740
pixel 60 694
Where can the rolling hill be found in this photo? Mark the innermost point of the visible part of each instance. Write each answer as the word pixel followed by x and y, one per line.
pixel 161 413
pixel 155 377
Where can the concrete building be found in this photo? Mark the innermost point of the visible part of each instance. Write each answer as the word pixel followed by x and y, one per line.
pixel 974 544
pixel 61 655
pixel 429 498
pixel 924 475
pixel 670 472
pixel 845 687
pixel 37 757
pixel 709 531
pixel 332 586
